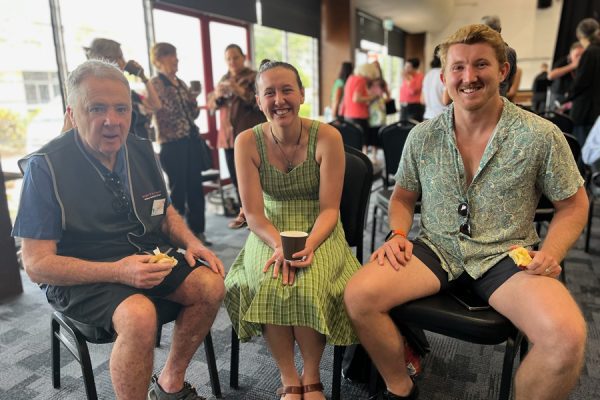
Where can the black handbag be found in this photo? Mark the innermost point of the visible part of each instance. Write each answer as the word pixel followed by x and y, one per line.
pixel 390 107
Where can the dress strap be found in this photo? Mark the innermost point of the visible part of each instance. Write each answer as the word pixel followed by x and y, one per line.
pixel 312 139
pixel 260 144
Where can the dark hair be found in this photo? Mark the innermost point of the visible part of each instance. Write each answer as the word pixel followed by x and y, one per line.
pixel 435 61
pixel 345 70
pixel 234 46
pixel 415 62
pixel 104 49
pixel 267 64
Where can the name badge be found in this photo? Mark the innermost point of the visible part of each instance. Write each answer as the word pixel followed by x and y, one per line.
pixel 158 207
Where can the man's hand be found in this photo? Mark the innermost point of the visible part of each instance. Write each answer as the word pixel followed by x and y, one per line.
pixel 398 251
pixel 138 272
pixel 197 250
pixel 543 264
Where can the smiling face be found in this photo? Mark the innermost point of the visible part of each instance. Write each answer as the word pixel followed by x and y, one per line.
pixel 102 116
pixel 279 95
pixel 472 76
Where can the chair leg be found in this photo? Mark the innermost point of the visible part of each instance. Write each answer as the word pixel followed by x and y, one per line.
pixel 212 366
pixel 55 349
pixel 158 334
pixel 375 210
pixel 588 229
pixel 338 356
pixel 235 361
pixel 513 344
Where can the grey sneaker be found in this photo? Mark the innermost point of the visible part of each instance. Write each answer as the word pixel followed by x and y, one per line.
pixel 157 393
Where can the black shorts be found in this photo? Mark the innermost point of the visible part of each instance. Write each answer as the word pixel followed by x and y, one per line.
pixel 487 284
pixel 95 303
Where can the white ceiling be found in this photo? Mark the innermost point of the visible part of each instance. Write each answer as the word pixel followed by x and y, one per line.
pixel 413 16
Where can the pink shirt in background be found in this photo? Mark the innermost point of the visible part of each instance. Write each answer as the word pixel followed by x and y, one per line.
pixel 355 83
pixel 410 91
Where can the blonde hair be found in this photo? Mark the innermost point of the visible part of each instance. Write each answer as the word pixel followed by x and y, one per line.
pixel 160 50
pixel 472 34
pixel 368 70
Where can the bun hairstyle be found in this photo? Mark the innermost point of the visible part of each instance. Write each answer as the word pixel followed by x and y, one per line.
pixel 588 28
pixel 267 64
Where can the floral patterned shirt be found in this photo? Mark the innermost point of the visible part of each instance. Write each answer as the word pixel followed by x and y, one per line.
pixel 525 157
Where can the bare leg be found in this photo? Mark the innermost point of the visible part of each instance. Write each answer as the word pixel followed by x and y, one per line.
pixel 200 294
pixel 280 340
pixel 312 344
pixel 545 311
pixel 132 354
pixel 369 295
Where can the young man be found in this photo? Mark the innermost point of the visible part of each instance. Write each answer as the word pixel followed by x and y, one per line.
pixel 93 207
pixel 480 168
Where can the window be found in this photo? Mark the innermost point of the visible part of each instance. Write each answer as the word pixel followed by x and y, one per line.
pixel 40 87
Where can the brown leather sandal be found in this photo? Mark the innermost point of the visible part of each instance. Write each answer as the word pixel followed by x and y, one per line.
pixel 313 387
pixel 282 391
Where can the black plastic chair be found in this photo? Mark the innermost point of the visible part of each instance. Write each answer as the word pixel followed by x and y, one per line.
pixel 392 138
pixel 564 122
pixel 352 134
pixel 354 204
pixel 79 334
pixel 442 314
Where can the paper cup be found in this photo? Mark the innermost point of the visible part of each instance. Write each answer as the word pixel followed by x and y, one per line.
pixel 292 242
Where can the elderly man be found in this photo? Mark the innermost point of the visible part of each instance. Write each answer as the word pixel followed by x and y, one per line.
pixel 93 207
pixel 480 168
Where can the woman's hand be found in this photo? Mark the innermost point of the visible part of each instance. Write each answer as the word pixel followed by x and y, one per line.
pixel 287 268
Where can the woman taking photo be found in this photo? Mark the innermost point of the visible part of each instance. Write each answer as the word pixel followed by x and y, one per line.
pixel 291 173
pixel 181 151
pixel 234 98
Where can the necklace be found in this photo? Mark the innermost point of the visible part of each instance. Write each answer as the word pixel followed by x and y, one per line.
pixel 290 166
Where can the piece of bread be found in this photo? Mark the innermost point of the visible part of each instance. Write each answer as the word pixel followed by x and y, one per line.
pixel 159 257
pixel 520 256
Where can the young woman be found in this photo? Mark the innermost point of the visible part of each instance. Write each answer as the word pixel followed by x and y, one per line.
pixel 291 172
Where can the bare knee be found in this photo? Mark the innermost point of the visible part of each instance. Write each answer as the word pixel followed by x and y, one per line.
pixel 201 286
pixel 563 341
pixel 362 297
pixel 135 318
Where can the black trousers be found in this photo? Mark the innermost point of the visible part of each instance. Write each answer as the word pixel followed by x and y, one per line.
pixel 230 160
pixel 181 161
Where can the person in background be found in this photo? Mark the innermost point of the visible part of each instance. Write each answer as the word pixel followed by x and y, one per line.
pixel 94 206
pixel 291 172
pixel 180 148
pixel 357 97
pixel 585 89
pixel 508 88
pixel 433 88
pixel 234 97
pixel 472 214
pixel 562 75
pixel 337 91
pixel 143 106
pixel 540 90
pixel 410 91
pixel 377 114
pixel 590 152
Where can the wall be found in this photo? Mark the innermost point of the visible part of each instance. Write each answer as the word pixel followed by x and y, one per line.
pixel 530 31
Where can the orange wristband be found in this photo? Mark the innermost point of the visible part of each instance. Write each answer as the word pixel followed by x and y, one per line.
pixel 395 232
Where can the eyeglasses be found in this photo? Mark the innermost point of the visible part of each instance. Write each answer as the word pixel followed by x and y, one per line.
pixel 463 211
pixel 120 203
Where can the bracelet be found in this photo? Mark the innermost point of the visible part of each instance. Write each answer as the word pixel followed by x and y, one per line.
pixel 395 232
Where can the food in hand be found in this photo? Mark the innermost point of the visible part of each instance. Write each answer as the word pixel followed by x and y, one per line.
pixel 162 258
pixel 520 256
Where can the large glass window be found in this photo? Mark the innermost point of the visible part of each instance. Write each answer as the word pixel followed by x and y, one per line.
pixel 183 32
pixel 298 50
pixel 30 102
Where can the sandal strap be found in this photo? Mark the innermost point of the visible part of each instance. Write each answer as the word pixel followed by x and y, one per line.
pixel 313 387
pixel 282 391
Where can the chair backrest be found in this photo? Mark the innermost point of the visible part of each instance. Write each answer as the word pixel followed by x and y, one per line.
pixel 352 134
pixel 574 146
pixel 358 179
pixel 564 122
pixel 392 138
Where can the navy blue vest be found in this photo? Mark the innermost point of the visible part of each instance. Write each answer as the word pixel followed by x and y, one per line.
pixel 93 228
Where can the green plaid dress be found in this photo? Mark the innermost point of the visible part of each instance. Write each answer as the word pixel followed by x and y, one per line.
pixel 316 299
